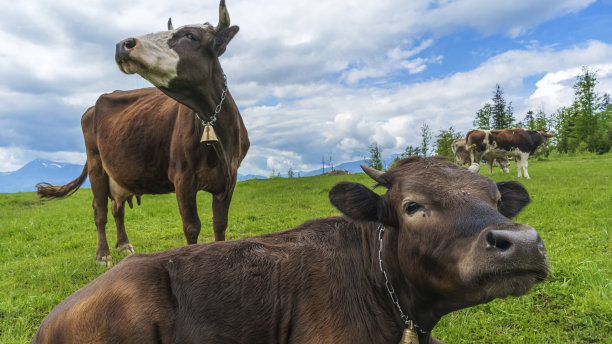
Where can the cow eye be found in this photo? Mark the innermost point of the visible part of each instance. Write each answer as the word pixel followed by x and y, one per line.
pixel 411 207
pixel 191 36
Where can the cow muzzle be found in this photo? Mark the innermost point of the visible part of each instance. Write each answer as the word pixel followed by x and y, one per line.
pixel 505 260
pixel 122 55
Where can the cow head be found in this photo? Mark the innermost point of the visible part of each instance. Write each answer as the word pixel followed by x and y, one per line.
pixel 450 230
pixel 181 62
pixel 545 136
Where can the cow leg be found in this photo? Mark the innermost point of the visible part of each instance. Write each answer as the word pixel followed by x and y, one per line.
pixel 490 164
pixel 186 197
pixel 123 243
pixel 220 208
pixel 99 188
pixel 521 162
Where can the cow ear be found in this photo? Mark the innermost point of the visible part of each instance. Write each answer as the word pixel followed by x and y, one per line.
pixel 355 201
pixel 514 197
pixel 218 45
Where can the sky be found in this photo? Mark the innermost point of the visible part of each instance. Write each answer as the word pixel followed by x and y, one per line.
pixel 312 79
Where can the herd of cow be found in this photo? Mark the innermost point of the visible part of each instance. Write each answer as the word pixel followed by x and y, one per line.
pixel 440 239
pixel 496 146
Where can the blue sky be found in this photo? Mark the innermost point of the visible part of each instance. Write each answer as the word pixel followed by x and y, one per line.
pixel 311 78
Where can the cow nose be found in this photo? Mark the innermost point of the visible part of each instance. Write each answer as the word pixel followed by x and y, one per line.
pixel 124 48
pixel 526 244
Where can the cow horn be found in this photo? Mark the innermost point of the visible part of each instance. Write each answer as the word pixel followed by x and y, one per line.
pixel 170 27
pixel 375 174
pixel 224 19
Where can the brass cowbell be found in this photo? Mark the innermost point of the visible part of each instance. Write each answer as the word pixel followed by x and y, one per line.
pixel 208 136
pixel 410 336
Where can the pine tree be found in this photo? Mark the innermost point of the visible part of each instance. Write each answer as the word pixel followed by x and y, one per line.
pixel 426 136
pixel 502 115
pixel 586 102
pixel 375 160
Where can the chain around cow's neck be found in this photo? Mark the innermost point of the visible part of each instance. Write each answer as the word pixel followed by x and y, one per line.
pixel 409 323
pixel 213 118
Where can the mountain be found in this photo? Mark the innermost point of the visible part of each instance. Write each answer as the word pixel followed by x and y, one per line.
pixel 351 167
pixel 39 170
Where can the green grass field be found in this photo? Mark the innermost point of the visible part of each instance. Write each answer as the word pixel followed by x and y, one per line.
pixel 48 249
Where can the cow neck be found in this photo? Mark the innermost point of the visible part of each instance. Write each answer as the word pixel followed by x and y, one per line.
pixel 411 326
pixel 211 119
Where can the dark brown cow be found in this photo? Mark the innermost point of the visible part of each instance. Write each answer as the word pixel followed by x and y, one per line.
pixel 440 239
pixel 517 142
pixel 143 142
pixel 462 157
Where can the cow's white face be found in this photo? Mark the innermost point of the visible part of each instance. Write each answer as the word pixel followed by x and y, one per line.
pixel 151 55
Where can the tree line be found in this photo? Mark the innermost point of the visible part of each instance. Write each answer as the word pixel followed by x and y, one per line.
pixel 584 126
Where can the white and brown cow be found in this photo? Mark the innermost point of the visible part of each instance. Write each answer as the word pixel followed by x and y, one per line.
pixel 462 157
pixel 440 239
pixel 519 143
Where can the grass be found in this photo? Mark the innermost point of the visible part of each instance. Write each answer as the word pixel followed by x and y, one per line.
pixel 48 249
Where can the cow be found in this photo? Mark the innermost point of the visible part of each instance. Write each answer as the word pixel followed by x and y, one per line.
pixel 462 157
pixel 517 142
pixel 440 239
pixel 144 142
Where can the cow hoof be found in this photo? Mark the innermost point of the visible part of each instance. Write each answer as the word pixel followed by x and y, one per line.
pixel 126 249
pixel 105 261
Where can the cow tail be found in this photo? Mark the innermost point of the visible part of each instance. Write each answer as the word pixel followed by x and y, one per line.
pixel 48 191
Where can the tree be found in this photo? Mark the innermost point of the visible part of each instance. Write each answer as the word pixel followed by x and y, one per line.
pixel 541 121
pixel 501 112
pixel 375 160
pixel 483 117
pixel 587 103
pixel 409 151
pixel 528 122
pixel 426 136
pixel 444 139
pixel 290 173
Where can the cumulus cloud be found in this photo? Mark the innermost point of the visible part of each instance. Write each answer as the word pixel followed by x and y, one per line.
pixel 310 78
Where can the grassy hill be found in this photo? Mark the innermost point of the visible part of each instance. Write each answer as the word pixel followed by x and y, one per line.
pixel 48 249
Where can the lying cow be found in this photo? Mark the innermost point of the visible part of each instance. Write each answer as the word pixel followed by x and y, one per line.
pixel 438 240
pixel 462 157
pixel 517 142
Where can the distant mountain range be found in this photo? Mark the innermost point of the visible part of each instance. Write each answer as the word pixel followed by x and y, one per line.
pixel 59 173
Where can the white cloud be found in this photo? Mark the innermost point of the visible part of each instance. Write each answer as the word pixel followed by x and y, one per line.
pixel 13 158
pixel 310 78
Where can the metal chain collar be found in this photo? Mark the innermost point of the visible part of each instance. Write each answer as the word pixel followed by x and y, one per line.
pixel 409 323
pixel 213 118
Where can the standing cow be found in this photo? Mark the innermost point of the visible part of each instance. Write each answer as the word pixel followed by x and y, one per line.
pixel 143 142
pixel 462 157
pixel 440 239
pixel 517 142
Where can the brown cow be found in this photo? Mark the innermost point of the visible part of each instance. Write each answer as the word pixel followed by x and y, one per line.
pixel 517 142
pixel 440 239
pixel 143 142
pixel 462 157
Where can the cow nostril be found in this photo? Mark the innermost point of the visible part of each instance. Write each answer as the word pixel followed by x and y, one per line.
pixel 129 43
pixel 497 242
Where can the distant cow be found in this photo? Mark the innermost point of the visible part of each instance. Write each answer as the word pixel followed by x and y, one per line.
pixel 462 157
pixel 438 240
pixel 519 143
pixel 143 142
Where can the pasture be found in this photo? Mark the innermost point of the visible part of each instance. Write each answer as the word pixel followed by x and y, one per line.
pixel 48 249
